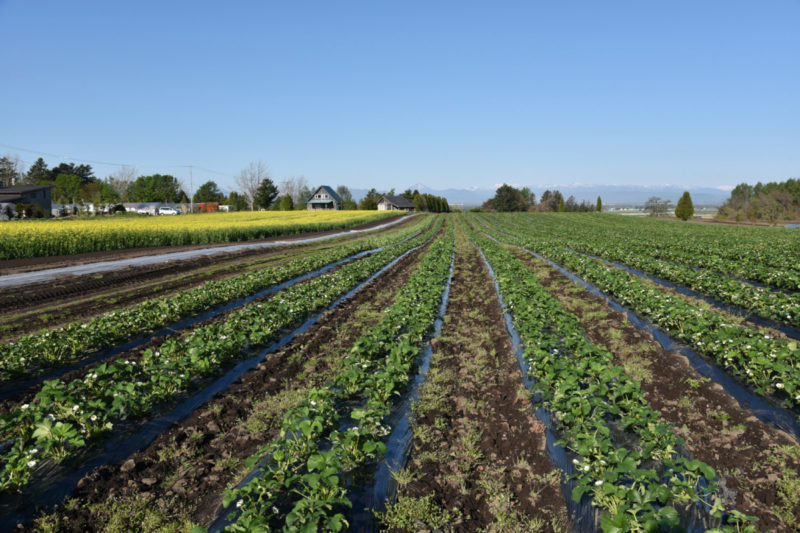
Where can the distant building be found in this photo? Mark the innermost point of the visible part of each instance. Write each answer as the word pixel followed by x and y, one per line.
pixel 324 198
pixel 40 195
pixel 395 203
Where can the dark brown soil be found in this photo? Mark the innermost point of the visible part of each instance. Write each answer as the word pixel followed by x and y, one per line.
pixel 14 266
pixel 29 308
pixel 750 457
pixel 188 467
pixel 478 447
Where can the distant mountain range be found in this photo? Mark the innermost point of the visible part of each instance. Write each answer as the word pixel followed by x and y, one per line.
pixel 612 195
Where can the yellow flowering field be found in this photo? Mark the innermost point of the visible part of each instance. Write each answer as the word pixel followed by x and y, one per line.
pixel 37 238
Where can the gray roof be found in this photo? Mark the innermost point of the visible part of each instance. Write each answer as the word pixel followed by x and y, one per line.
pixel 399 201
pixel 18 189
pixel 328 190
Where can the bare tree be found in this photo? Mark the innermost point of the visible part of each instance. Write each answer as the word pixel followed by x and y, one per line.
pixel 12 170
pixel 250 178
pixel 121 180
pixel 294 186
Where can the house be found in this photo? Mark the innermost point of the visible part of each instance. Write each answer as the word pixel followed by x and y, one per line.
pixel 324 198
pixel 40 195
pixel 395 203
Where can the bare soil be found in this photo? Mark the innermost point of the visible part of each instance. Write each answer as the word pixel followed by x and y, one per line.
pixel 183 473
pixel 478 447
pixel 757 464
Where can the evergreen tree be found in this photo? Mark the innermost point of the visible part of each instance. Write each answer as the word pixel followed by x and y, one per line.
pixel 38 174
pixel 207 192
pixel 599 206
pixel 287 204
pixel 266 194
pixel 685 210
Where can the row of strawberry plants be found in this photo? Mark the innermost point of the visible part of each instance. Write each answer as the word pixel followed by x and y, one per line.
pixel 303 477
pixel 639 487
pixel 771 365
pixel 79 339
pixel 765 255
pixel 65 417
pixel 781 307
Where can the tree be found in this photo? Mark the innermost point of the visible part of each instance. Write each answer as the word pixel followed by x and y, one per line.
pixel 346 197
pixel 67 188
pixel 250 178
pixel 10 170
pixel 656 207
pixel 370 201
pixel 121 180
pixel 156 188
pixel 84 172
pixel 528 195
pixel 599 206
pixel 507 198
pixel 685 210
pixel 294 186
pixel 238 200
pixel 287 204
pixel 302 197
pixel 207 192
pixel 38 174
pixel 266 194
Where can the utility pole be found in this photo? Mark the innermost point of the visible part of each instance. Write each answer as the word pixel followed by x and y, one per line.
pixel 191 192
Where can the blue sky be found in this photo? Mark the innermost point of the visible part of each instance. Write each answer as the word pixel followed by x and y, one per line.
pixel 388 94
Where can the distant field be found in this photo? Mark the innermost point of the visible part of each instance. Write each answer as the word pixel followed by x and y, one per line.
pixel 39 238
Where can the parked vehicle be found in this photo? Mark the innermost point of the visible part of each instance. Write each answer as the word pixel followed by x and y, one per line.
pixel 168 211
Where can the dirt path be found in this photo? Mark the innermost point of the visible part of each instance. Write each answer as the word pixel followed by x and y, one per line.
pixel 478 460
pixel 758 465
pixel 179 478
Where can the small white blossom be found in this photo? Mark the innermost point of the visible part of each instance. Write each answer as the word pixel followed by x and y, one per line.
pixel 779 385
pixel 239 503
pixel 75 407
pixel 31 463
pixel 25 406
pixel 598 482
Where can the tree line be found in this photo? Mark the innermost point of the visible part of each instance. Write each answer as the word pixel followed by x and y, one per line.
pixel 508 198
pixel 76 184
pixel 770 201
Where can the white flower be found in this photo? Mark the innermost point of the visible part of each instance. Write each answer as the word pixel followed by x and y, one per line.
pixel 598 482
pixel 779 385
pixel 313 403
pixel 586 468
pixel 239 503
pixel 75 407
pixel 31 463
pixel 274 510
pixel 94 418
pixel 34 451
pixel 25 406
pixel 575 462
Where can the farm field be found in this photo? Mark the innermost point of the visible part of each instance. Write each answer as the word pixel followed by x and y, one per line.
pixel 465 372
pixel 40 238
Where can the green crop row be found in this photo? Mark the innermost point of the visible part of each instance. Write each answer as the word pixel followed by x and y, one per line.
pixel 754 355
pixel 778 306
pixel 65 417
pixel 640 486
pixel 766 255
pixel 301 477
pixel 79 339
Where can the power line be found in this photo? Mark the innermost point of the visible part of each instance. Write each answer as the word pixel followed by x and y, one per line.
pixel 96 162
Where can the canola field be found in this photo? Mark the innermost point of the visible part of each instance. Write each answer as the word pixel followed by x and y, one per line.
pixel 39 238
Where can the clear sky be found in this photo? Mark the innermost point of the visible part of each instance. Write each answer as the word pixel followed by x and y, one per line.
pixel 389 94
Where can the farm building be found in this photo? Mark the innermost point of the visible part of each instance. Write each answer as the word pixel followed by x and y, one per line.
pixel 324 198
pixel 395 203
pixel 27 194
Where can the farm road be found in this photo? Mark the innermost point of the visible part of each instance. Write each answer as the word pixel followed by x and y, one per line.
pixel 25 278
